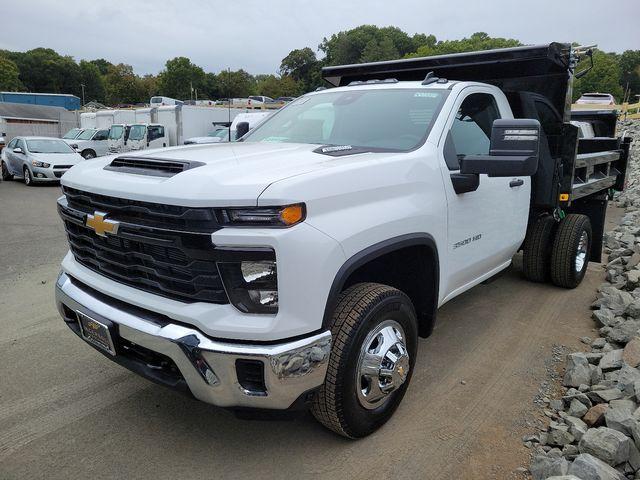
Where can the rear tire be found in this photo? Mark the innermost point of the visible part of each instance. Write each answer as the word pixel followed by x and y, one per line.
pixel 536 258
pixel 6 176
pixel 28 179
pixel 571 251
pixel 375 339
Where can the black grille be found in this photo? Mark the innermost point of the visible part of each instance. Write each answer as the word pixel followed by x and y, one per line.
pixel 150 166
pixel 251 375
pixel 58 174
pixel 177 265
pixel 190 219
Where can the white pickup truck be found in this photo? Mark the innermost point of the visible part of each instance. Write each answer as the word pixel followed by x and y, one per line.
pixel 299 267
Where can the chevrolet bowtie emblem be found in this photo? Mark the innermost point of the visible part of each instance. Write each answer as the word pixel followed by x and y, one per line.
pixel 100 225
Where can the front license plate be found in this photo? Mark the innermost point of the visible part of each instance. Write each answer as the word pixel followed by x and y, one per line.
pixel 96 333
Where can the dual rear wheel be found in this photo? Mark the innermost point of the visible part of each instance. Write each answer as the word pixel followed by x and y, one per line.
pixel 558 251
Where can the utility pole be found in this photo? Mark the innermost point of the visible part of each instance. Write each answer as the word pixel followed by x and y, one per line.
pixel 229 100
pixel 82 85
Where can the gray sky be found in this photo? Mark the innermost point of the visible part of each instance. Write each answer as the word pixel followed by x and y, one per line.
pixel 256 35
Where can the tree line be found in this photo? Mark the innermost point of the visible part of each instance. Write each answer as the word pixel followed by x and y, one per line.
pixel 45 70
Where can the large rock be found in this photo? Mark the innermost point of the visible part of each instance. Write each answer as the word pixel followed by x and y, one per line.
pixel 633 310
pixel 610 446
pixel 615 300
pixel 564 477
pixel 543 467
pixel 577 427
pixel 605 396
pixel 588 467
pixel 595 416
pixel 577 408
pixel 624 332
pixel 603 317
pixel 627 376
pixel 611 360
pixel 578 371
pixel 620 418
pixel 631 352
pixel 633 279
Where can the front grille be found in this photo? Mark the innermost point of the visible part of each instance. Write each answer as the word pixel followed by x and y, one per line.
pixel 178 265
pixel 157 263
pixel 190 219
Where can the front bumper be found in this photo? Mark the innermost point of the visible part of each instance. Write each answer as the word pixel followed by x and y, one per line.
pixel 51 174
pixel 210 369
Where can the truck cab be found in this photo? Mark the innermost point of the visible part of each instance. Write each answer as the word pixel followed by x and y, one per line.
pixel 299 266
pixel 147 135
pixel 117 141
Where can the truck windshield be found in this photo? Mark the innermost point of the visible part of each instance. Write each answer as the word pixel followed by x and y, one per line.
pixel 48 146
pixel 86 134
pixel 115 132
pixel 391 119
pixel 71 134
pixel 137 132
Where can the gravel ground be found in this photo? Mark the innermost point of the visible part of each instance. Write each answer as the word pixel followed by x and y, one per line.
pixel 593 426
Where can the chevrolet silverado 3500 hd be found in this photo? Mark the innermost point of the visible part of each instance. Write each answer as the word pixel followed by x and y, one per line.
pixel 300 265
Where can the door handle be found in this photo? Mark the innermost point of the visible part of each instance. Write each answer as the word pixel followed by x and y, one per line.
pixel 516 183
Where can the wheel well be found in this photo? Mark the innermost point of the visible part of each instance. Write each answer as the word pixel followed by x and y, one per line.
pixel 410 266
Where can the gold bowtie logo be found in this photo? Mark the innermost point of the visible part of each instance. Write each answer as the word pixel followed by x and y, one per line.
pixel 100 225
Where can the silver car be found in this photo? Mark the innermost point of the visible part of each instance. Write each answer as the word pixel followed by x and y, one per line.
pixel 37 159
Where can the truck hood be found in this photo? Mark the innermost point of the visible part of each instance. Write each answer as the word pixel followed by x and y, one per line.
pixel 232 174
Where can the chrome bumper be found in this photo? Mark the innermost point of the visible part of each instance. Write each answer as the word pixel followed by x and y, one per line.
pixel 209 366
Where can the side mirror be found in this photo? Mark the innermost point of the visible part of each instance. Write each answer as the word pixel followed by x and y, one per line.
pixel 241 129
pixel 17 150
pixel 513 151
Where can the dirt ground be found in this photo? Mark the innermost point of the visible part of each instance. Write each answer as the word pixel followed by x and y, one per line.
pixel 66 412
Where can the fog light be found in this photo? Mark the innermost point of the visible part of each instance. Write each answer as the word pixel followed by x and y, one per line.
pixel 252 286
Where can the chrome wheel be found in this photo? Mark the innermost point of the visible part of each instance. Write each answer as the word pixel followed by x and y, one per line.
pixel 27 176
pixel 383 364
pixel 581 255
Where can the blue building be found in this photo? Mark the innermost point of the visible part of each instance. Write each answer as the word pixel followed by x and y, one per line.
pixel 70 102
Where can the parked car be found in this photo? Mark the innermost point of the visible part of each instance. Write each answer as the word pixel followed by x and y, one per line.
pixel 91 143
pixel 285 99
pixel 596 99
pixel 37 159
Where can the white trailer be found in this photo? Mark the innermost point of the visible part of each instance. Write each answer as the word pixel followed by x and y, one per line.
pixel 106 118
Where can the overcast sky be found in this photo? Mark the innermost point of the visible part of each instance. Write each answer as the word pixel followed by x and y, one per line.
pixel 257 34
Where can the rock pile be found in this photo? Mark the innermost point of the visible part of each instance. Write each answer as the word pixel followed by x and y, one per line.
pixel 594 432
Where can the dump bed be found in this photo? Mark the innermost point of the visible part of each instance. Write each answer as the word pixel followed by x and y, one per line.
pixel 537 81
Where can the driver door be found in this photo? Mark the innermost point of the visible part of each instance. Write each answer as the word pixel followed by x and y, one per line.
pixel 485 226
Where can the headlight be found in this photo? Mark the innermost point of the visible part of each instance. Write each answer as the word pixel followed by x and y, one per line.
pixel 286 216
pixel 40 164
pixel 251 285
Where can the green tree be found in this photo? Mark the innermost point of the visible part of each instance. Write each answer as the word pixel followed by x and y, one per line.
pixel 211 87
pixel 44 70
pixel 349 46
pixel 9 76
pixel 179 77
pixel 603 78
pixel 238 84
pixel 477 41
pixel 274 87
pixel 94 89
pixel 630 73
pixel 124 86
pixel 149 87
pixel 102 64
pixel 303 67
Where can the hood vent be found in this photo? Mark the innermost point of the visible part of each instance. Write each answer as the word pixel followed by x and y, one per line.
pixel 157 167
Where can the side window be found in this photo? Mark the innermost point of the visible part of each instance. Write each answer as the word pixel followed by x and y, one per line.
pixel 12 143
pixel 155 132
pixel 101 135
pixel 471 130
pixel 21 145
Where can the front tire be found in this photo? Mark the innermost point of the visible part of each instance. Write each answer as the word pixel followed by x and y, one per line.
pixel 375 340
pixel 571 251
pixel 6 176
pixel 28 179
pixel 88 154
